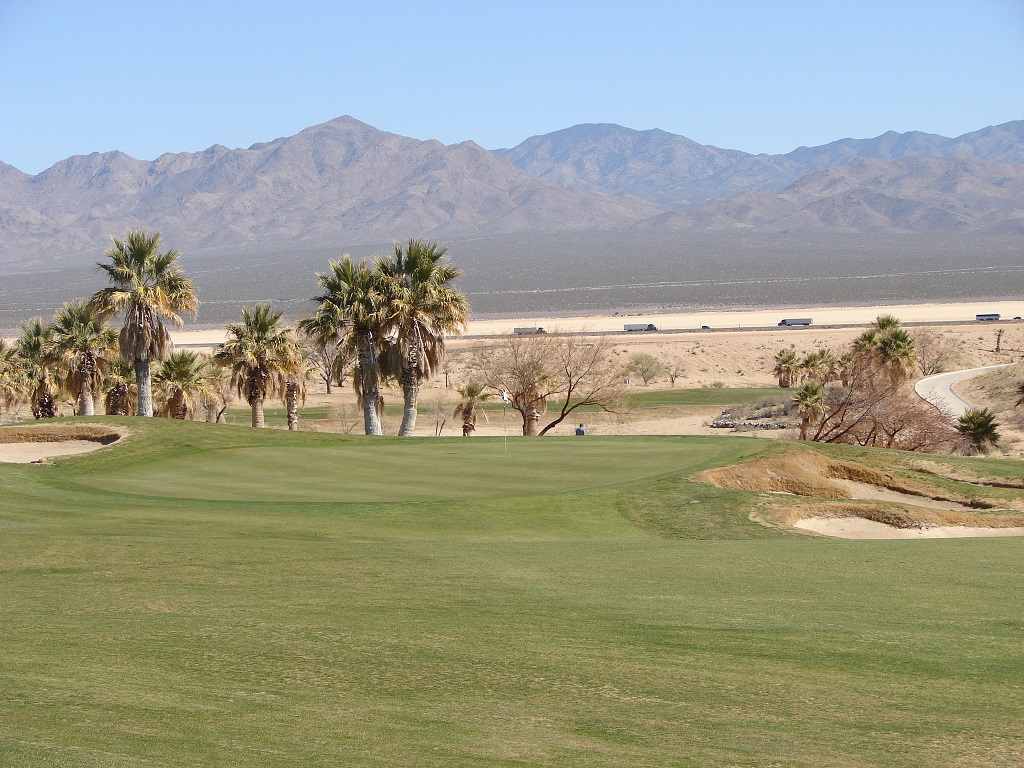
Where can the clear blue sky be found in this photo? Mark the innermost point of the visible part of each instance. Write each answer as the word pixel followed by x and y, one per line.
pixel 148 77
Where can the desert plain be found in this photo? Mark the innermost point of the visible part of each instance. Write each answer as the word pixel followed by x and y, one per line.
pixel 736 350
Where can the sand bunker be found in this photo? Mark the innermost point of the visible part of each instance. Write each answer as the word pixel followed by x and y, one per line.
pixel 36 443
pixel 859 528
pixel 858 502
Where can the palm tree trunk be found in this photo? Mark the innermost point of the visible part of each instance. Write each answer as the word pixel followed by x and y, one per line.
pixel 257 412
pixel 211 410
pixel 410 393
pixel 45 407
pixel 118 405
pixel 144 385
pixel 370 379
pixel 531 422
pixel 292 403
pixel 177 407
pixel 86 404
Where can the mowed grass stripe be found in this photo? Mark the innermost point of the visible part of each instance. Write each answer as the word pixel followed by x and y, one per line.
pixel 410 470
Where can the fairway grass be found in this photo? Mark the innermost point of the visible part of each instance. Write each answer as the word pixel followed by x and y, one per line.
pixel 350 601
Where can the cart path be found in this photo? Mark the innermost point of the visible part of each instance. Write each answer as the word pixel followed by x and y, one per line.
pixel 938 389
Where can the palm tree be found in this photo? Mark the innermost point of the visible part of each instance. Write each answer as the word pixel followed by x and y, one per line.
pixel 423 307
pixel 787 365
pixel 810 402
pixel 979 428
pixel 183 382
pixel 352 297
pixel 83 344
pixel 473 393
pixel 259 351
pixel 300 370
pixel 13 377
pixel 119 388
pixel 820 366
pixel 35 348
pixel 148 288
pixel 897 355
pixel 888 348
pixel 885 323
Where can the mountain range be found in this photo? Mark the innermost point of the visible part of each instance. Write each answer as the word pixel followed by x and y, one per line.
pixel 345 183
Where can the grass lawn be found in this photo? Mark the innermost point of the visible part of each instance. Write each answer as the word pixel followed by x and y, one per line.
pixel 206 595
pixel 706 396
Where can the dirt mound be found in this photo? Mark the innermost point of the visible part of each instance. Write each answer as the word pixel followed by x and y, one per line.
pixel 60 433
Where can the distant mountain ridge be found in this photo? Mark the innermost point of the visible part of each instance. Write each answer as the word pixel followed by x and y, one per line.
pixel 916 194
pixel 676 171
pixel 344 183
pixel 339 182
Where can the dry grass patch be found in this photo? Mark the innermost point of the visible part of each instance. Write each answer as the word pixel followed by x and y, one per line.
pixel 948 473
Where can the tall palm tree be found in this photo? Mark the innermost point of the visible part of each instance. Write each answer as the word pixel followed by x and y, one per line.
pixel 473 393
pixel 810 403
pixel 13 377
pixel 423 307
pixel 148 288
pixel 787 366
pixel 183 382
pixel 35 348
pixel 119 388
pixel 352 297
pixel 83 345
pixel 979 428
pixel 259 351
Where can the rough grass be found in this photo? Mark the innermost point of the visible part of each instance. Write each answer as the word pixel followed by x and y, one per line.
pixel 606 623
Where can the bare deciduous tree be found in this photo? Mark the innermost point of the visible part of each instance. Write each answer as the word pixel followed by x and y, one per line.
pixel 676 370
pixel 935 353
pixel 561 372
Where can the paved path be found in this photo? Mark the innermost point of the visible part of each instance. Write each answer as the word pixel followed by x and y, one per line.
pixel 938 389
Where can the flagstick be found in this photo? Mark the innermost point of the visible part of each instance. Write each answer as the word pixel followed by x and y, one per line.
pixel 503 430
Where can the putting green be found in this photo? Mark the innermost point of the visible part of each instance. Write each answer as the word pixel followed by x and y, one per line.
pixel 405 470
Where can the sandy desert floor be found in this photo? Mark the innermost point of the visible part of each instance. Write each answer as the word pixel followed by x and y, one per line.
pixel 729 354
pixel 729 358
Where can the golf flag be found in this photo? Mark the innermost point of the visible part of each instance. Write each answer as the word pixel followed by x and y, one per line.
pixel 504 397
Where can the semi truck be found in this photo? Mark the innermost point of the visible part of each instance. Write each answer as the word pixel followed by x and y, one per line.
pixel 790 321
pixel 640 327
pixel 528 331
